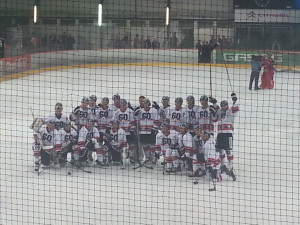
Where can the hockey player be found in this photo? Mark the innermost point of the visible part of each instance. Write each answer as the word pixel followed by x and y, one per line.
pixel 177 115
pixel 164 110
pixel 148 124
pixel 212 159
pixel 225 117
pixel 93 107
pixel 116 142
pixel 186 146
pixel 206 115
pixel 88 141
pixel 58 117
pixel 68 137
pixel 104 115
pixel 191 113
pixel 81 114
pixel 267 78
pixel 116 105
pixel 47 145
pixel 198 154
pixel 166 144
pixel 127 121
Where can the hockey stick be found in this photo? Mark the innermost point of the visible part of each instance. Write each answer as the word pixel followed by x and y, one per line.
pixel 210 80
pixel 228 78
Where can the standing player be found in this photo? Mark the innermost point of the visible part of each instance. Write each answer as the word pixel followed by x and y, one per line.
pixel 206 115
pixel 68 137
pixel 116 142
pixel 166 144
pixel 148 123
pixel 191 112
pixel 116 105
pixel 93 107
pixel 88 141
pixel 177 115
pixel 58 117
pixel 81 114
pixel 104 115
pixel 225 117
pixel 126 118
pixel 47 145
pixel 164 110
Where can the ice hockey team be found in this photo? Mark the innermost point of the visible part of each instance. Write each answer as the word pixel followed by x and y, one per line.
pixel 173 137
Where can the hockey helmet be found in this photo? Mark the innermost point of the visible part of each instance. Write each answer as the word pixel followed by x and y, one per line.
pixel 190 98
pixel 204 98
pixel 147 101
pixel 205 133
pixel 58 105
pixel 116 96
pixel 167 125
pixel 198 127
pixel 224 103
pixel 179 100
pixel 67 123
pixel 105 99
pixel 93 98
pixel 85 100
pixel 165 98
pixel 123 102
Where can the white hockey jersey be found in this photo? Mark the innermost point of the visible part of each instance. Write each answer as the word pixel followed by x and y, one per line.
pixel 80 115
pixel 186 143
pixel 210 153
pixel 197 144
pixel 177 117
pixel 165 114
pixel 93 112
pixel 205 119
pixel 85 135
pixel 103 118
pixel 51 138
pixel 117 139
pixel 191 117
pixel 164 143
pixel 226 119
pixel 147 120
pixel 68 137
pixel 126 119
pixel 59 120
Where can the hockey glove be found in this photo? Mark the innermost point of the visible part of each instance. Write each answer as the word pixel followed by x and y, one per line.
pixel 137 111
pixel 212 100
pixel 234 98
pixel 157 156
pixel 154 132
pixel 155 105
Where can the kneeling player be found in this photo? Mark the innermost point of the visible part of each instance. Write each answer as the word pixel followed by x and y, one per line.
pixel 212 159
pixel 88 141
pixel 117 144
pixel 167 145
pixel 69 137
pixel 47 145
pixel 186 145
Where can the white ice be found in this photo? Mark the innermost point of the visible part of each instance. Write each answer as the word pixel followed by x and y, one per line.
pixel 266 150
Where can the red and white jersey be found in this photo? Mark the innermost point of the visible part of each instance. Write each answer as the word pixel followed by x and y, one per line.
pixel 103 118
pixel 191 117
pixel 93 112
pixel 59 120
pixel 80 115
pixel 177 117
pixel 117 139
pixel 51 138
pixel 186 143
pixel 226 119
pixel 210 153
pixel 205 119
pixel 147 120
pixel 85 135
pixel 165 114
pixel 67 138
pixel 164 143
pixel 198 144
pixel 126 119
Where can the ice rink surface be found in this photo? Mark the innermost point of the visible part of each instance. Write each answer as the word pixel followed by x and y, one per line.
pixel 266 150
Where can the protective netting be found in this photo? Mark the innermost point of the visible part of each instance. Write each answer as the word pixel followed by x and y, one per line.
pixel 149 112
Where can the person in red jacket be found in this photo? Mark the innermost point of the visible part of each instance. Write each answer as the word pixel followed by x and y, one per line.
pixel 267 81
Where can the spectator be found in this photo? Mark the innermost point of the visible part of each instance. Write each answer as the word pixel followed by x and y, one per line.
pixel 206 53
pixel 142 41
pixel 155 43
pixel 34 41
pixel 2 46
pixel 224 42
pixel 174 40
pixel 147 43
pixel 212 41
pixel 199 47
pixel 117 42
pixel 136 42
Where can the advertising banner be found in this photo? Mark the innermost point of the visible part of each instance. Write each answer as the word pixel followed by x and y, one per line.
pixel 15 64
